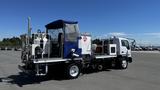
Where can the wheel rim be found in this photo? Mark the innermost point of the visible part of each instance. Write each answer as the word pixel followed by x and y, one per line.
pixel 74 70
pixel 124 63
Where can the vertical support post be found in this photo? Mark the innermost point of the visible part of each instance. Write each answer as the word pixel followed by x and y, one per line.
pixel 37 69
pixel 46 71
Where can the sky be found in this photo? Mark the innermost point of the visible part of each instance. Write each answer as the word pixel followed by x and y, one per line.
pixel 137 19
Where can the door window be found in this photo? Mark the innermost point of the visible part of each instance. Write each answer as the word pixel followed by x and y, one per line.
pixel 125 44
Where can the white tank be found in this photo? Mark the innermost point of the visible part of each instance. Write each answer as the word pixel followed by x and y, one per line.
pixel 37 40
pixel 46 44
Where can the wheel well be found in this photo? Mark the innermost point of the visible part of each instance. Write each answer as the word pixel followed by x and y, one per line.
pixel 129 59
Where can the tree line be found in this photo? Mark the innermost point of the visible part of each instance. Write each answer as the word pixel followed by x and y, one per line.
pixel 11 42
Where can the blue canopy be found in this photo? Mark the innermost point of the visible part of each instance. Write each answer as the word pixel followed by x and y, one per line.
pixel 59 24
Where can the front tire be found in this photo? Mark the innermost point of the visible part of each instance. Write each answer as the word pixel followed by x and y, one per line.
pixel 73 71
pixel 123 63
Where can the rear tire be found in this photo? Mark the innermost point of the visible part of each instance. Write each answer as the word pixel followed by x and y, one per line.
pixel 73 71
pixel 100 67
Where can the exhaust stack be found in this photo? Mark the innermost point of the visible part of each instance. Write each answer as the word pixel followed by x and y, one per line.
pixel 29 30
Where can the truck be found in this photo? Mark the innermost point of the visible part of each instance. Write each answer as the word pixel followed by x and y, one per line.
pixel 63 46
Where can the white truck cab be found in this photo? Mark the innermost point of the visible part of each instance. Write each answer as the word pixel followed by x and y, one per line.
pixel 123 47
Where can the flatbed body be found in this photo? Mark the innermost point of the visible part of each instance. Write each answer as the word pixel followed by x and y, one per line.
pixel 55 60
pixel 105 56
pixel 52 60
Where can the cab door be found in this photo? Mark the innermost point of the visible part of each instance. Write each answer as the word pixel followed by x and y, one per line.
pixel 71 40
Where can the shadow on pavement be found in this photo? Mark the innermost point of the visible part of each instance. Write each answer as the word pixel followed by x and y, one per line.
pixel 26 79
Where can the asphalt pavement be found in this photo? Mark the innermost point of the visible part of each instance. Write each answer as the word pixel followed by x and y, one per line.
pixel 142 74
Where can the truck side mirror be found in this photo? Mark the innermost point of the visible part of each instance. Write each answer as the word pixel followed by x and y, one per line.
pixel 128 47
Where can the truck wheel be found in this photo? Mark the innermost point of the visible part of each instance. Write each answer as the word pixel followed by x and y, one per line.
pixel 100 67
pixel 123 64
pixel 73 71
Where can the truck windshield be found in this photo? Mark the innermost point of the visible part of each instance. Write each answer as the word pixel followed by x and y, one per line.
pixel 53 33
